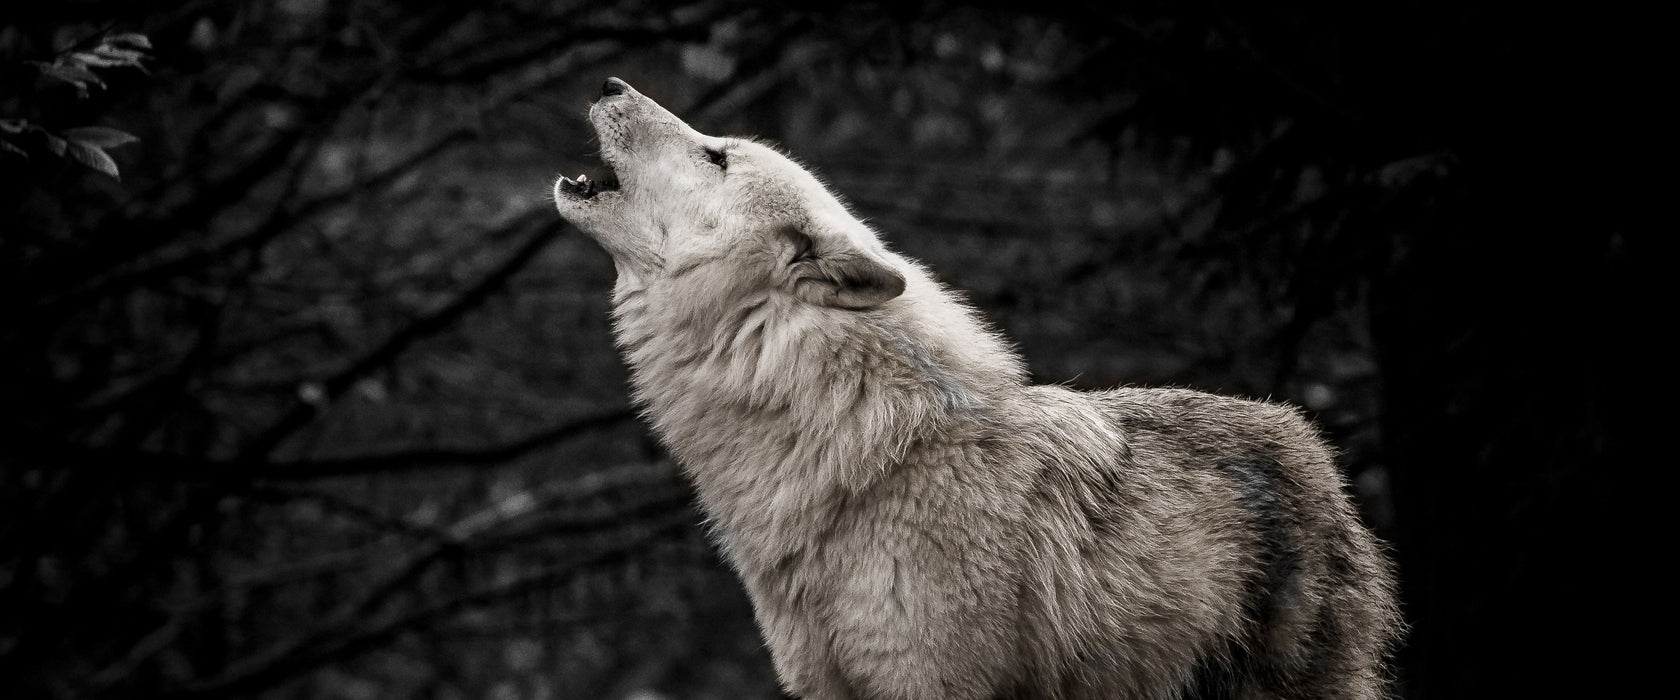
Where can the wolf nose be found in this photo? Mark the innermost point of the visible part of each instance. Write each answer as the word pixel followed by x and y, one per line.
pixel 614 86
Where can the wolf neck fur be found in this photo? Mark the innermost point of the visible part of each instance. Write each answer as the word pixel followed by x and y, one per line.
pixel 778 410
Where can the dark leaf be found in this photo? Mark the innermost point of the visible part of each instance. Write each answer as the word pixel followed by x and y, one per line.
pixel 99 58
pixel 72 73
pixel 94 157
pixel 56 144
pixel 100 136
pixel 129 40
pixel 123 57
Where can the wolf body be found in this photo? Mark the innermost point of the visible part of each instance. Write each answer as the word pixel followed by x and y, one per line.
pixel 910 517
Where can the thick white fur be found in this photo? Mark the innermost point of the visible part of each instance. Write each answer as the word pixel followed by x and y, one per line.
pixel 910 518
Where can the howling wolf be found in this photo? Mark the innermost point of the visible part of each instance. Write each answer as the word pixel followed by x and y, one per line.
pixel 911 518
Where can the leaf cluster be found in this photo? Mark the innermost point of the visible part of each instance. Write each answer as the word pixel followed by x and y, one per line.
pixel 79 68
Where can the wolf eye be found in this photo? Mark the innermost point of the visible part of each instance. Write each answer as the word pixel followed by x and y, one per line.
pixel 718 158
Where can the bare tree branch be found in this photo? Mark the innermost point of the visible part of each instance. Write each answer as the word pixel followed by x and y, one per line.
pixel 255 468
pixel 351 633
pixel 302 412
pixel 282 220
pixel 437 457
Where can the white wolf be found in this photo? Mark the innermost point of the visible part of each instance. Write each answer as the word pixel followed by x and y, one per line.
pixel 911 519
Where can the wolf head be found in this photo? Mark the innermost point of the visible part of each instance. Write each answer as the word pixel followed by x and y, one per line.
pixel 682 207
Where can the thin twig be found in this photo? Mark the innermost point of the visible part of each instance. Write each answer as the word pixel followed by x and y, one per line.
pixel 345 637
pixel 302 413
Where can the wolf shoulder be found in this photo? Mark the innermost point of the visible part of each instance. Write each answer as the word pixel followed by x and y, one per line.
pixel 1169 427
pixel 1205 422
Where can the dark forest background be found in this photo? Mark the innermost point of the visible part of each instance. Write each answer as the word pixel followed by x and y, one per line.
pixel 318 399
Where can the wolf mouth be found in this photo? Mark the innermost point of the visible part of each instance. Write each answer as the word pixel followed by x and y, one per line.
pixel 586 187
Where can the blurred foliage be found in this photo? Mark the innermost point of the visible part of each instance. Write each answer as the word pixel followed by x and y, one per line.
pixel 320 401
pixel 78 65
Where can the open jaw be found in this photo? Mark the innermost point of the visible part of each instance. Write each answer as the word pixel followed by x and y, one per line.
pixel 586 187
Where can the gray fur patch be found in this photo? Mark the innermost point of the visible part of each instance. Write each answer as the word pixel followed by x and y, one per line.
pixel 954 394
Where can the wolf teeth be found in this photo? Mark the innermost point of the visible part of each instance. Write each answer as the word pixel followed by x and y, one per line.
pixel 585 187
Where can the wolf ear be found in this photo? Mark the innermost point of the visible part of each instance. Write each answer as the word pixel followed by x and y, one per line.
pixel 846 277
